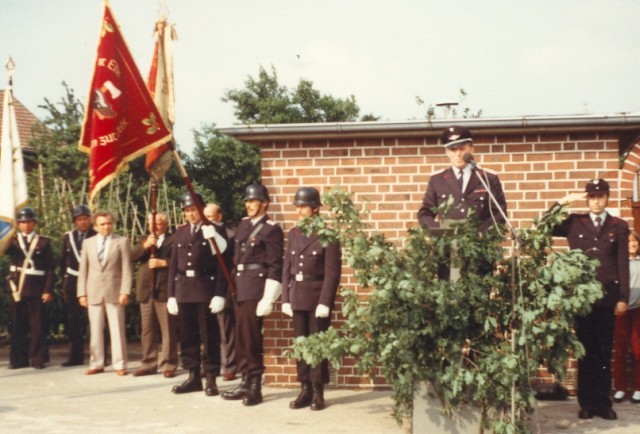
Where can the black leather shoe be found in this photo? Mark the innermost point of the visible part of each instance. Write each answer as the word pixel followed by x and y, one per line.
pixel 607 414
pixel 254 395
pixel 71 363
pixel 239 392
pixel 212 388
pixel 304 398
pixel 317 403
pixel 38 366
pixel 585 414
pixel 18 365
pixel 191 384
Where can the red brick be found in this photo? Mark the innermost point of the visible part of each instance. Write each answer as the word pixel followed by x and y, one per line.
pixel 370 152
pixel 547 147
pixel 335 153
pixel 564 165
pixel 590 165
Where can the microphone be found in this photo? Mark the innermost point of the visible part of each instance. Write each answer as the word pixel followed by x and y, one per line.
pixel 468 158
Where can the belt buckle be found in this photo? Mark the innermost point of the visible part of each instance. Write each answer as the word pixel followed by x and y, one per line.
pixel 241 267
pixel 190 273
pixel 299 277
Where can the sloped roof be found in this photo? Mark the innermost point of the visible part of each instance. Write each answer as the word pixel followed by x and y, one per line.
pixel 25 120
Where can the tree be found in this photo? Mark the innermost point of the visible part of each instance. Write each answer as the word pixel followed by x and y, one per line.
pixel 223 166
pixel 265 101
pixel 56 140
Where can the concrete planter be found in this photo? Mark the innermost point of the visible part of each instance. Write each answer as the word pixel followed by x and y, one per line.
pixel 428 418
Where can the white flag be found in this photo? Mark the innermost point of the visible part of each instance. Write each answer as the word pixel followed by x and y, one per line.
pixel 160 85
pixel 13 181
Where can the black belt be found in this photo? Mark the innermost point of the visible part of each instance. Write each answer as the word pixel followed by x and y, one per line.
pixel 245 267
pixel 307 277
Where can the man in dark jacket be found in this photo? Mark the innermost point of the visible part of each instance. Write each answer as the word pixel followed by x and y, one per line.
pixel 605 237
pixel 310 280
pixel 461 182
pixel 31 274
pixel 151 291
pixel 257 257
pixel 197 288
pixel 69 266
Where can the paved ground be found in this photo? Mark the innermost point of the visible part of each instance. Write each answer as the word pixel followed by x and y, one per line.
pixel 64 400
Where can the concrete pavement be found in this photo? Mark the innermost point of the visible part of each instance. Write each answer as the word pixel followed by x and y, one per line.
pixel 64 400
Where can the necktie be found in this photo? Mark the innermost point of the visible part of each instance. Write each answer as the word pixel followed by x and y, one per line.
pixel 193 230
pixel 598 222
pixel 461 179
pixel 101 250
pixel 80 238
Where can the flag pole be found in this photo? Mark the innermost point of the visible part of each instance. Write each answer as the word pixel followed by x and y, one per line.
pixel 154 230
pixel 163 60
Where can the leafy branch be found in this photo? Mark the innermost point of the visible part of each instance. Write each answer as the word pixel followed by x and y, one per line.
pixel 456 335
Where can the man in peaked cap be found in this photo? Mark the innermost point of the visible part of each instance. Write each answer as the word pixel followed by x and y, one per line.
pixel 461 182
pixel 605 237
pixel 31 275
pixel 69 269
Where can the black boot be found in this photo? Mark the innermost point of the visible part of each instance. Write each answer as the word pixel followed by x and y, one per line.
pixel 239 392
pixel 254 395
pixel 212 388
pixel 304 398
pixel 317 403
pixel 191 384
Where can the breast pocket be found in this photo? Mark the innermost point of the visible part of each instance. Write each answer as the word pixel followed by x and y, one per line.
pixel 478 199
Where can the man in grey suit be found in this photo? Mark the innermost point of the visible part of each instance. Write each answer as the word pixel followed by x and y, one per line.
pixel 104 285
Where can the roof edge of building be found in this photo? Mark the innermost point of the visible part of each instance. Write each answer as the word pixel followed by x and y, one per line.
pixel 413 128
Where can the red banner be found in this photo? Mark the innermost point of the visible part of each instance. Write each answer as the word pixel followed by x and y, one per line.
pixel 121 121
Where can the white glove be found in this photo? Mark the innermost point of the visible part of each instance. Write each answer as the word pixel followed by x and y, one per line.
pixel 208 232
pixel 217 304
pixel 172 306
pixel 286 309
pixel 272 290
pixel 322 311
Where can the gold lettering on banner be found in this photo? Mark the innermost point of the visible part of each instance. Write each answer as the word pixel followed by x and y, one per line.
pixel 107 138
pixel 113 66
pixel 122 125
pixel 101 61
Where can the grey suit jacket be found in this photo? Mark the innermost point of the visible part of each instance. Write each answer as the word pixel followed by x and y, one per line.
pixel 104 283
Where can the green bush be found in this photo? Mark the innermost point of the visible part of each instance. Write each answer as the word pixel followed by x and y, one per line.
pixel 457 336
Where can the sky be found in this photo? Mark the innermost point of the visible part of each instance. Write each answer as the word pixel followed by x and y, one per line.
pixel 512 57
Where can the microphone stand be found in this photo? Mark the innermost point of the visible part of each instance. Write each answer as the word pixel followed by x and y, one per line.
pixel 514 262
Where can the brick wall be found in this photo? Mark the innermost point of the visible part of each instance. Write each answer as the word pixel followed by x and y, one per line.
pixel 536 169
